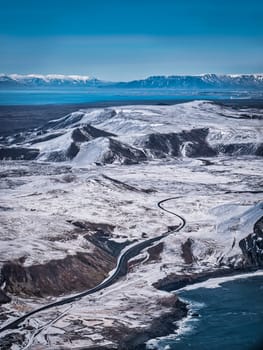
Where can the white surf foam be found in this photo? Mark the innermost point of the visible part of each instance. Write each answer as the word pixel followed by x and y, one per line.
pixel 217 281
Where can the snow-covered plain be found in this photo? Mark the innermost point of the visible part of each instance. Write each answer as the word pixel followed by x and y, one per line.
pixel 220 197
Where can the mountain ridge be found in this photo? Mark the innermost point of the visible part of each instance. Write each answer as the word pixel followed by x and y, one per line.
pixel 183 82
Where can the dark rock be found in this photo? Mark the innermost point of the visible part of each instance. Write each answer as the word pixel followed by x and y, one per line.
pixel 240 149
pixel 259 150
pixel 4 298
pixel 73 273
pixel 56 156
pixel 172 228
pixel 123 185
pixel 174 282
pixel 2 208
pixel 72 151
pixel 187 253
pixel 18 153
pixel 155 252
pixel 8 340
pixel 87 133
pixel 123 153
pixel 191 143
pixel 252 245
pixel 78 135
pixel 94 132
pixel 101 240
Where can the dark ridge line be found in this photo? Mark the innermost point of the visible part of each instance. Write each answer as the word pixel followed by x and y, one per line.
pixel 120 270
pixel 255 192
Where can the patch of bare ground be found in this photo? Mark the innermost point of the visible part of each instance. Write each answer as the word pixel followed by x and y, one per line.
pixel 155 252
pixel 73 273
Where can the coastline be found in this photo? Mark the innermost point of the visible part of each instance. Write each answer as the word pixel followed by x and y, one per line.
pixel 169 322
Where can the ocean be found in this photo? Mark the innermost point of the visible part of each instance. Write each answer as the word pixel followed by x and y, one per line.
pixel 91 95
pixel 230 317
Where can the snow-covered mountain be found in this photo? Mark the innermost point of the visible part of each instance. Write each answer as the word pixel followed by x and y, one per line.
pixel 204 81
pixel 50 80
pixel 135 134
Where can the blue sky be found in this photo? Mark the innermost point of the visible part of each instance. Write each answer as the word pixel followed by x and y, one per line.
pixel 123 40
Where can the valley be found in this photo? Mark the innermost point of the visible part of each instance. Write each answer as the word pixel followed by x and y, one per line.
pixel 91 191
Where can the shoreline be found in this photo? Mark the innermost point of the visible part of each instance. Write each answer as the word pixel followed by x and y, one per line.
pixel 167 323
pixel 169 319
pixel 215 282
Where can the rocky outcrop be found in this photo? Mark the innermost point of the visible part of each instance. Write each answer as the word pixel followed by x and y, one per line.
pixel 73 273
pixel 18 153
pixel 155 252
pixel 7 342
pixel 187 253
pixel 190 143
pixel 88 133
pixel 4 298
pixel 259 150
pixel 174 281
pixel 103 241
pixel 252 246
pixel 240 149
pixel 122 153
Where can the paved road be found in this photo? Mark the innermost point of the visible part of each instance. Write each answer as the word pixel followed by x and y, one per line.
pixel 120 270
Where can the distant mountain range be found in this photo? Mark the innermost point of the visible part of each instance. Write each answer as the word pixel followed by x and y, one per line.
pixel 182 82
pixel 50 80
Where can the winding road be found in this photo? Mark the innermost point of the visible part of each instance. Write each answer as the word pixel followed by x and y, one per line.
pixel 120 270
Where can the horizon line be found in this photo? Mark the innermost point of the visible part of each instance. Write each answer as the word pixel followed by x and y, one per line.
pixel 91 77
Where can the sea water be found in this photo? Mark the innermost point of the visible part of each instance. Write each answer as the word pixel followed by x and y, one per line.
pixel 90 95
pixel 230 317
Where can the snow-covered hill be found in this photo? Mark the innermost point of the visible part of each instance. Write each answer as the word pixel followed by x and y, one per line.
pixel 134 134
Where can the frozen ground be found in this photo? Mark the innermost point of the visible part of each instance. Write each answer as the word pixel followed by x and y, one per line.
pixel 220 197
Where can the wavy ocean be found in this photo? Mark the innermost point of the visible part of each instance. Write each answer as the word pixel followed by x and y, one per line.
pixel 228 316
pixel 92 95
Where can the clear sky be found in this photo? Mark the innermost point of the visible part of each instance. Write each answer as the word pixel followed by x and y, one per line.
pixel 130 39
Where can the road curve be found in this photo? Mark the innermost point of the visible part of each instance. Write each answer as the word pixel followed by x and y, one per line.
pixel 120 270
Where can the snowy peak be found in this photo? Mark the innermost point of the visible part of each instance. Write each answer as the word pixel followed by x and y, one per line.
pixel 204 81
pixel 56 80
pixel 184 82
pixel 51 77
